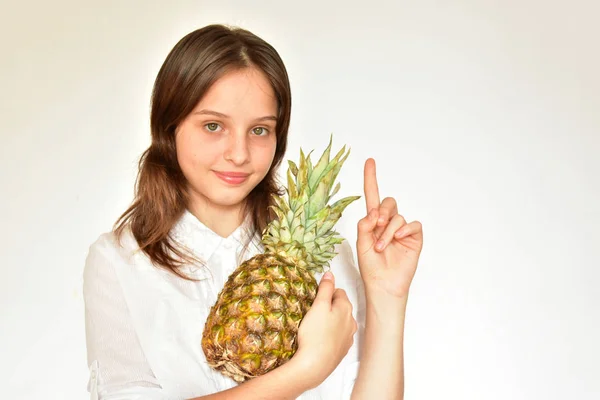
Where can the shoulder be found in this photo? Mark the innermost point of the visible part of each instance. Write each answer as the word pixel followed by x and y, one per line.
pixel 110 245
pixel 107 253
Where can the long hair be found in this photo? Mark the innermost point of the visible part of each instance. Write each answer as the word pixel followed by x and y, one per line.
pixel 161 190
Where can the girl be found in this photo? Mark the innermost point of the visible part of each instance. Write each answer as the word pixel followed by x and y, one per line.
pixel 219 121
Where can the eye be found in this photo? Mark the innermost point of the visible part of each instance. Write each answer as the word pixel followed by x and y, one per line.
pixel 212 126
pixel 260 131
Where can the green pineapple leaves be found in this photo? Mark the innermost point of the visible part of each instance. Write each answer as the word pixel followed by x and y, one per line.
pixel 303 230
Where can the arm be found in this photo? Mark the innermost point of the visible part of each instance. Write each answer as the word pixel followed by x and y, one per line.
pixel 381 372
pixel 268 386
pixel 388 251
pixel 324 337
pixel 118 365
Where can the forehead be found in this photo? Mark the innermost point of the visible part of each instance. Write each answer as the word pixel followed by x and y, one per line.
pixel 240 92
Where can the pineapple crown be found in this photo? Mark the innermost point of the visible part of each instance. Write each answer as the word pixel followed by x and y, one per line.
pixel 303 231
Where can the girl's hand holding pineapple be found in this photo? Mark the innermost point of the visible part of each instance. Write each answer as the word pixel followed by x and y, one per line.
pixel 326 333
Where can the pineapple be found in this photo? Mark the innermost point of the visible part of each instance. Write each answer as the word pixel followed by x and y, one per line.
pixel 252 327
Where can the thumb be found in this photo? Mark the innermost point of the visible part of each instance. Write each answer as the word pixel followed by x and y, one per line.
pixel 365 238
pixel 326 289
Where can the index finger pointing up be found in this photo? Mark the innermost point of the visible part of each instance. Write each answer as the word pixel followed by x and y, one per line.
pixel 371 188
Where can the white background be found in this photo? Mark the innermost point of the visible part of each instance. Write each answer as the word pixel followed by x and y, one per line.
pixel 484 120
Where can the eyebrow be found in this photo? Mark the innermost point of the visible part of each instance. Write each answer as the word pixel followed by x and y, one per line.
pixel 221 115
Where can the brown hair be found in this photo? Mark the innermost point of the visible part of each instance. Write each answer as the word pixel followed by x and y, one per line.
pixel 192 66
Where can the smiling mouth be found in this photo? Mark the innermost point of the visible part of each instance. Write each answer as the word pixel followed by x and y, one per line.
pixel 232 178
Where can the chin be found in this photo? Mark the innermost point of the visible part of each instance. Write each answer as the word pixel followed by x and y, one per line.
pixel 229 199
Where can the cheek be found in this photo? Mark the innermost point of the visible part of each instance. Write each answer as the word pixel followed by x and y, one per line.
pixel 183 150
pixel 188 152
pixel 266 156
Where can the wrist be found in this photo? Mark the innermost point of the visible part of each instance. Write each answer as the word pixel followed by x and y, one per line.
pixel 384 308
pixel 301 366
pixel 377 296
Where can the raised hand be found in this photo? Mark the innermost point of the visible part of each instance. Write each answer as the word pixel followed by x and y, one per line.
pixel 388 248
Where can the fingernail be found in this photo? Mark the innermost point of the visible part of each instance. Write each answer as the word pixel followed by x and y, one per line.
pixel 399 233
pixel 379 245
pixel 328 275
pixel 381 220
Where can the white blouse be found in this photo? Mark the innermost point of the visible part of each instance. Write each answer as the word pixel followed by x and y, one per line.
pixel 144 324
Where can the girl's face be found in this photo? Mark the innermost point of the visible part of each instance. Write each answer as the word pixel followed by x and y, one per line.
pixel 231 130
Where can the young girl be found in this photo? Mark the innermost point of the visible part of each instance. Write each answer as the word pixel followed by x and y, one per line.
pixel 219 121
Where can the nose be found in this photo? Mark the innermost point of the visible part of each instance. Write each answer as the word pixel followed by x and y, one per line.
pixel 236 149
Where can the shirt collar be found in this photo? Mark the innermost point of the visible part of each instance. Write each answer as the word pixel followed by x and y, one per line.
pixel 202 241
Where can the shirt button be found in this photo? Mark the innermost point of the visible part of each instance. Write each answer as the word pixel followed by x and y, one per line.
pixel 227 245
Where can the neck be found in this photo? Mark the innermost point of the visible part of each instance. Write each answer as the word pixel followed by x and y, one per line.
pixel 223 220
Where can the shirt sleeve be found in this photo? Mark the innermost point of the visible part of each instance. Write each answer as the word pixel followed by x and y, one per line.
pixel 118 367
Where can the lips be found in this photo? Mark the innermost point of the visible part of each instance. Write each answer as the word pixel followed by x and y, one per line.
pixel 232 177
pixel 232 174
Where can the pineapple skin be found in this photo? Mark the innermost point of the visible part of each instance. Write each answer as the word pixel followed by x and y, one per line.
pixel 253 326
